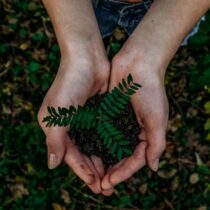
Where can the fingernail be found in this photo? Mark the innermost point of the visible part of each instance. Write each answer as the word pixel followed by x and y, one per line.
pixel 52 161
pixel 155 165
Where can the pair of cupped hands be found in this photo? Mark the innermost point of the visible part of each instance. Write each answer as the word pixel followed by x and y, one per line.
pixel 85 71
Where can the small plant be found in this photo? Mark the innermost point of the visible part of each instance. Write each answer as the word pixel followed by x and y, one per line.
pixel 99 117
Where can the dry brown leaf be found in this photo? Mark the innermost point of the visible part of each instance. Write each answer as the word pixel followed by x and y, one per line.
pixel 6 109
pixel 193 138
pixel 143 189
pixel 65 196
pixel 203 149
pixel 24 46
pixel 57 206
pixel 198 159
pixel 192 111
pixel 18 190
pixel 11 20
pixel 22 180
pixel 175 183
pixel 39 54
pixel 202 208
pixel 167 174
pixel 194 178
pixel 119 35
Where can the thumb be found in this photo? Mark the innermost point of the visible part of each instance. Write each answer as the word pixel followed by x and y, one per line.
pixel 156 145
pixel 56 149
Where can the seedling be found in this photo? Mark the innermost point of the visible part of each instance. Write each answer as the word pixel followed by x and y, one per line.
pixel 99 118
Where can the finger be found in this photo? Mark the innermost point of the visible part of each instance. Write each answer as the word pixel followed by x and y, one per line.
pixel 56 147
pixel 98 165
pixel 156 146
pixel 109 169
pixel 112 82
pixel 108 192
pixel 96 186
pixel 142 136
pixel 106 180
pixel 130 166
pixel 76 161
pixel 116 166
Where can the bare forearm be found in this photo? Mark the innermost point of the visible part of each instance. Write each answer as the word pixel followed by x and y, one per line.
pixel 164 27
pixel 73 21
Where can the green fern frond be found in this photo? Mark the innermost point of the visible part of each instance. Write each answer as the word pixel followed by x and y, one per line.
pixel 116 101
pixel 83 117
pixel 112 138
pixel 99 117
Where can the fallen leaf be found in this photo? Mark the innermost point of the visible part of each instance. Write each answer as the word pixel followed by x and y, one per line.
pixel 18 190
pixel 119 35
pixel 198 159
pixel 65 196
pixel 175 183
pixel 202 208
pixel 194 178
pixel 24 46
pixel 207 107
pixel 167 174
pixel 143 189
pixel 6 109
pixel 21 180
pixel 57 206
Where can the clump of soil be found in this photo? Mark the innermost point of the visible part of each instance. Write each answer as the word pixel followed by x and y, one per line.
pixel 91 144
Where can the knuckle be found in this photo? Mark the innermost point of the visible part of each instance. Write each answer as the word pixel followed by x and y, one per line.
pixel 90 179
pixel 159 147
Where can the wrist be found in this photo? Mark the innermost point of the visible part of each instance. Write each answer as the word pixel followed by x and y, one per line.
pixel 75 45
pixel 144 58
pixel 84 59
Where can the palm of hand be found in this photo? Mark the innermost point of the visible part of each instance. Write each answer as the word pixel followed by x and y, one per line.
pixel 151 109
pixel 73 85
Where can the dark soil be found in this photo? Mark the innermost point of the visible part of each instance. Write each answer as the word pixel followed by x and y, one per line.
pixel 90 143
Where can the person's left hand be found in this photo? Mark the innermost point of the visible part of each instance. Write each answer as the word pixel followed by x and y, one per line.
pixel 151 108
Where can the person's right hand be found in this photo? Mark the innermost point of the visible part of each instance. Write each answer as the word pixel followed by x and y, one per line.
pixel 80 76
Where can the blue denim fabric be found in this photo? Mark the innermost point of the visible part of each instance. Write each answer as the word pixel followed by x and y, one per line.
pixel 113 13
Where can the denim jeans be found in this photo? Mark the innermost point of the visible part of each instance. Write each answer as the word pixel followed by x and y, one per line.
pixel 113 13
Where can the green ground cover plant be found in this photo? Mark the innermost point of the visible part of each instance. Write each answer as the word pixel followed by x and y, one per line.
pixel 29 59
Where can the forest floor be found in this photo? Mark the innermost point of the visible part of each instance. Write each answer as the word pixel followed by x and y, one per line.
pixel 28 63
